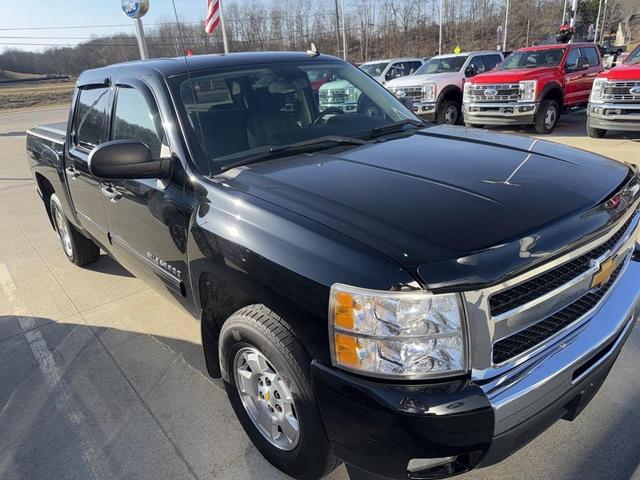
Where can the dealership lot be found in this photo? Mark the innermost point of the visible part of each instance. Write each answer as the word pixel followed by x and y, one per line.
pixel 102 378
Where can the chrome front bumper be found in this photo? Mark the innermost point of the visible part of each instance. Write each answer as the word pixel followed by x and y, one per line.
pixel 614 116
pixel 514 113
pixel 530 388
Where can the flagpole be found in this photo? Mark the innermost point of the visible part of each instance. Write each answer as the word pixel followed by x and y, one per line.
pixel 225 41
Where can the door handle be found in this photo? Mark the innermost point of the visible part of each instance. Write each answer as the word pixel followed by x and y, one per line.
pixel 112 194
pixel 72 172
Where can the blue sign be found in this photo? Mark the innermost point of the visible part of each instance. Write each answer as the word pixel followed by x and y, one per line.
pixel 135 8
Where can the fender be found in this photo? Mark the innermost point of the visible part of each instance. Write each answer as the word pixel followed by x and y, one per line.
pixel 552 85
pixel 243 250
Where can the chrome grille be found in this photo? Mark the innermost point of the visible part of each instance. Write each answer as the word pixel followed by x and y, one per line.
pixel 621 91
pixel 494 93
pixel 413 92
pixel 516 296
pixel 333 96
pixel 530 337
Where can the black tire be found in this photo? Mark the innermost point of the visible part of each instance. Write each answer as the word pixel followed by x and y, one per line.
pixel 443 115
pixel 473 125
pixel 79 249
pixel 258 327
pixel 541 122
pixel 594 132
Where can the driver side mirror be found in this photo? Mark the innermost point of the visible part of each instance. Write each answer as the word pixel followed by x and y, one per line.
pixel 470 71
pixel 582 64
pixel 127 159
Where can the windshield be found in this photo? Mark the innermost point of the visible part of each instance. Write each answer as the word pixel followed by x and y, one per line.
pixel 374 69
pixel 532 59
pixel 442 65
pixel 634 57
pixel 237 113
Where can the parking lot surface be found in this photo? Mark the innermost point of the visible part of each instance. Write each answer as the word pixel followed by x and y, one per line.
pixel 103 378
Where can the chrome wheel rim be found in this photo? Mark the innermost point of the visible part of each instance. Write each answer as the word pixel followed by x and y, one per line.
pixel 451 115
pixel 63 230
pixel 267 398
pixel 550 117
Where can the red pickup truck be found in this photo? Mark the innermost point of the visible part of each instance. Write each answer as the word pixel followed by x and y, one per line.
pixel 615 99
pixel 532 86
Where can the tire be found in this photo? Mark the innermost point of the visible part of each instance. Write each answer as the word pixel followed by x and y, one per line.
pixel 448 112
pixel 79 249
pixel 254 331
pixel 594 132
pixel 545 122
pixel 473 125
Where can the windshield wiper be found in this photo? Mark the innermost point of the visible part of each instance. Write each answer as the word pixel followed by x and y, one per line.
pixel 392 128
pixel 306 146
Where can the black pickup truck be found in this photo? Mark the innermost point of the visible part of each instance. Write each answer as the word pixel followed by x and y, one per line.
pixel 412 300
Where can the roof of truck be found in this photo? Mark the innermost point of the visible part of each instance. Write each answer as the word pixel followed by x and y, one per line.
pixel 175 66
pixel 556 45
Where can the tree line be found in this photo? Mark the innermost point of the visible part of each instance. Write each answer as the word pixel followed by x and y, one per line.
pixel 374 29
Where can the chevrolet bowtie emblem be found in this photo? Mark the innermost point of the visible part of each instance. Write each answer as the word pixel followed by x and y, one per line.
pixel 603 275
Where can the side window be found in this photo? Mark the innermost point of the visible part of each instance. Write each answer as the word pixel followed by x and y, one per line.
pixel 134 120
pixel 395 70
pixel 572 59
pixel 592 56
pixel 477 64
pixel 91 117
pixel 415 66
pixel 490 61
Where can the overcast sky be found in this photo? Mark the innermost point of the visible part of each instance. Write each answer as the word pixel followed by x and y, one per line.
pixel 100 15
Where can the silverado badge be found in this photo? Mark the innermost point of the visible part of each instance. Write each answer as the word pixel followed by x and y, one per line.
pixel 603 275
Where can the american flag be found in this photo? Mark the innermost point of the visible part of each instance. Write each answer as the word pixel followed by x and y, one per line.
pixel 213 15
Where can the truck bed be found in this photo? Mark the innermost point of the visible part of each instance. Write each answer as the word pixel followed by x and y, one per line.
pixel 45 145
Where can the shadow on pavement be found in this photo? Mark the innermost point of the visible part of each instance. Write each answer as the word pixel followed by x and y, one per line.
pixel 109 266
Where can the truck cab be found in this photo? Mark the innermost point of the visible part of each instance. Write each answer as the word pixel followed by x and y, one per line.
pixel 533 86
pixel 385 70
pixel 615 99
pixel 436 87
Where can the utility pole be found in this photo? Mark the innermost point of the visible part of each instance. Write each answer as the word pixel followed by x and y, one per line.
pixel 506 24
pixel 574 13
pixel 604 20
pixel 440 32
pixel 344 34
pixel 337 31
pixel 595 36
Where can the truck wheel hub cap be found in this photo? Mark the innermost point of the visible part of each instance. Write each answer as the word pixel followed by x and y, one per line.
pixel 267 398
pixel 451 115
pixel 550 117
pixel 63 230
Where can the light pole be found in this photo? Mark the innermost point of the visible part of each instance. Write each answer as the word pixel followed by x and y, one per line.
pixel 344 33
pixel 506 25
pixel 137 9
pixel 440 32
pixel 595 35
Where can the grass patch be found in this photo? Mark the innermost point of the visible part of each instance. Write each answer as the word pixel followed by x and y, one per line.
pixel 32 95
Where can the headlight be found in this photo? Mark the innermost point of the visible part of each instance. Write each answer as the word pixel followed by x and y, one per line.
pixel 411 334
pixel 429 92
pixel 597 91
pixel 528 90
pixel 352 95
pixel 466 97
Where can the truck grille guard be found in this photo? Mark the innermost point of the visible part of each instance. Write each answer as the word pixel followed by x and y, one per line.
pixel 522 316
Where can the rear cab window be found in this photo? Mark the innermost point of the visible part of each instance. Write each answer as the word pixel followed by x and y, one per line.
pixel 90 120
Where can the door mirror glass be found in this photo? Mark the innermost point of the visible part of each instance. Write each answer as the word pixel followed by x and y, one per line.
pixel 583 63
pixel 127 159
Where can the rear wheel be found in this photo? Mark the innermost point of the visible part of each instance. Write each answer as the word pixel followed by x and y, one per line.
pixel 79 249
pixel 269 386
pixel 547 117
pixel 594 132
pixel 448 112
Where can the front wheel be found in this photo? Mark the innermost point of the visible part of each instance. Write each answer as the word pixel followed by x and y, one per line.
pixel 269 387
pixel 547 117
pixel 594 132
pixel 79 249
pixel 448 112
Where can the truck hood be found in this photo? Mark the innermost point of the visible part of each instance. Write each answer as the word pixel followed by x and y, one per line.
pixel 438 78
pixel 626 71
pixel 450 204
pixel 513 76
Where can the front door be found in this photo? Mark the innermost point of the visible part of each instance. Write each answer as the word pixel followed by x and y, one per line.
pixel 89 128
pixel 147 218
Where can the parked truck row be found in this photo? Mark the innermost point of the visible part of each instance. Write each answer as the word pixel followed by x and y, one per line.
pixel 532 86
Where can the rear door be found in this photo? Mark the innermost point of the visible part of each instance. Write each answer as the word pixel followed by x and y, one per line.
pixel 573 79
pixel 147 218
pixel 89 129
pixel 595 67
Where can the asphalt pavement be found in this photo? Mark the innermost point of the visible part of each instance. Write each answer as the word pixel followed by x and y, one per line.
pixel 102 378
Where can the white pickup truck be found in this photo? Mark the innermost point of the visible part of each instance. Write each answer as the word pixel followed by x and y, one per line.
pixel 436 87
